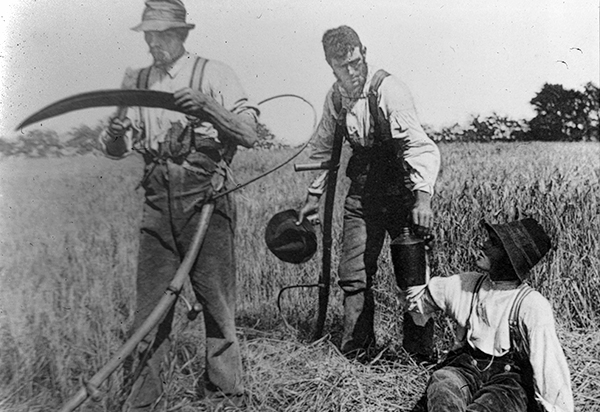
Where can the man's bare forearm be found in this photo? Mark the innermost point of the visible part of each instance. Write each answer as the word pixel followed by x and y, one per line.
pixel 239 127
pixel 422 197
pixel 231 126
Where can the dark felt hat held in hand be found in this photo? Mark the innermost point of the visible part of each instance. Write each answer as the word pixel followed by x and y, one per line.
pixel 290 242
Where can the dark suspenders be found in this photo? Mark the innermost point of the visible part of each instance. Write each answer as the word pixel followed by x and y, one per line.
pixel 195 80
pixel 517 340
pixel 198 73
pixel 475 292
pixel 372 96
pixel 143 76
pixel 379 126
pixel 187 137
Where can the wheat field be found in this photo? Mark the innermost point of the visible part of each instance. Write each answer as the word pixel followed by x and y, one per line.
pixel 68 241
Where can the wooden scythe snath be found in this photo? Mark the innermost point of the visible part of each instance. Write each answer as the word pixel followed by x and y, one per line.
pixel 168 299
pixel 332 166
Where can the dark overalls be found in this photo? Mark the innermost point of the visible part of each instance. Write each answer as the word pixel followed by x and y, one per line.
pixel 378 202
pixel 471 380
pixel 179 178
pixel 474 381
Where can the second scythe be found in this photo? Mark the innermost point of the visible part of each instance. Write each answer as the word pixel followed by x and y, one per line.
pixel 332 166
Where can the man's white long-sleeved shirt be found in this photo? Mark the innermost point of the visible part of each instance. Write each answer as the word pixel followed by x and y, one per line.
pixel 486 327
pixel 396 103
pixel 150 125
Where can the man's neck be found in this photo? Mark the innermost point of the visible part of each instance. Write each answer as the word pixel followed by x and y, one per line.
pixel 167 66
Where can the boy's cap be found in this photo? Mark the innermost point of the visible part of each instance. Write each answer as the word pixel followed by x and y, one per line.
pixel 290 242
pixel 525 242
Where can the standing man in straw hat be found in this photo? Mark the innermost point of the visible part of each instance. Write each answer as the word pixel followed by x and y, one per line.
pixel 187 159
pixel 508 357
pixel 392 169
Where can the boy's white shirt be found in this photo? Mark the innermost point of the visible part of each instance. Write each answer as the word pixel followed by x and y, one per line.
pixel 487 328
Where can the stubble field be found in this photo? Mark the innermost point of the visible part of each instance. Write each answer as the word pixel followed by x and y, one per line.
pixel 68 241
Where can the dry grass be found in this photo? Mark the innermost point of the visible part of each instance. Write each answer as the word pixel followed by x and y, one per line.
pixel 68 236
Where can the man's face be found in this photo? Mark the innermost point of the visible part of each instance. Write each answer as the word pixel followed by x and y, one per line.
pixel 351 71
pixel 165 46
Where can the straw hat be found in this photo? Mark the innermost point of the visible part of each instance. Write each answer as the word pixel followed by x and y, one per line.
pixel 525 242
pixel 161 15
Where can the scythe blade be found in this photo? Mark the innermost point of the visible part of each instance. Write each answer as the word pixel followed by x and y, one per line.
pixel 103 98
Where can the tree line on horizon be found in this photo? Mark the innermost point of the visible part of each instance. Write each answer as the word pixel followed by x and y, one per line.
pixel 561 115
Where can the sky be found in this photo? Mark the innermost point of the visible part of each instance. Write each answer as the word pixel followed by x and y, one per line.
pixel 459 58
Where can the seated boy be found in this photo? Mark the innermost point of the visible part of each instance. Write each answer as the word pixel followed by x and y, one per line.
pixel 509 357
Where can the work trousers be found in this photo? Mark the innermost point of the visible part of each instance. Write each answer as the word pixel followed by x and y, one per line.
pixel 366 222
pixel 477 385
pixel 174 196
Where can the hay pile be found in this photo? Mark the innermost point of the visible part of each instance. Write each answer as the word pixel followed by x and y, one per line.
pixel 285 374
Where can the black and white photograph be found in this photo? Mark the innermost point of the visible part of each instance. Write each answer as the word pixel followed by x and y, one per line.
pixel 277 206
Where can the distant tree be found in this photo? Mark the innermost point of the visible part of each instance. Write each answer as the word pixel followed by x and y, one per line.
pixel 480 129
pixel 84 139
pixel 266 138
pixel 38 143
pixel 446 134
pixel 6 147
pixel 564 114
pixel 592 110
pixel 431 132
pixel 264 133
pixel 493 128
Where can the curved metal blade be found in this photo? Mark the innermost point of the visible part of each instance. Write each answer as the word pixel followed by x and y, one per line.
pixel 102 98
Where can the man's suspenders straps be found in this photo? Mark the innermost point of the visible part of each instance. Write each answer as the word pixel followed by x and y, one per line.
pixel 198 73
pixel 143 76
pixel 378 78
pixel 186 139
pixel 195 80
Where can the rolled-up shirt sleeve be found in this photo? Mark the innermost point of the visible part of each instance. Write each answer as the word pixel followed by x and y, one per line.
pixel 421 154
pixel 223 85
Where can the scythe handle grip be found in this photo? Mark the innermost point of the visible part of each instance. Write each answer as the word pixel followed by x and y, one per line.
pixel 302 167
pixel 122 112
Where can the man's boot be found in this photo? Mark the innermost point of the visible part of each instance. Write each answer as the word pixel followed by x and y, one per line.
pixel 148 385
pixel 359 335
